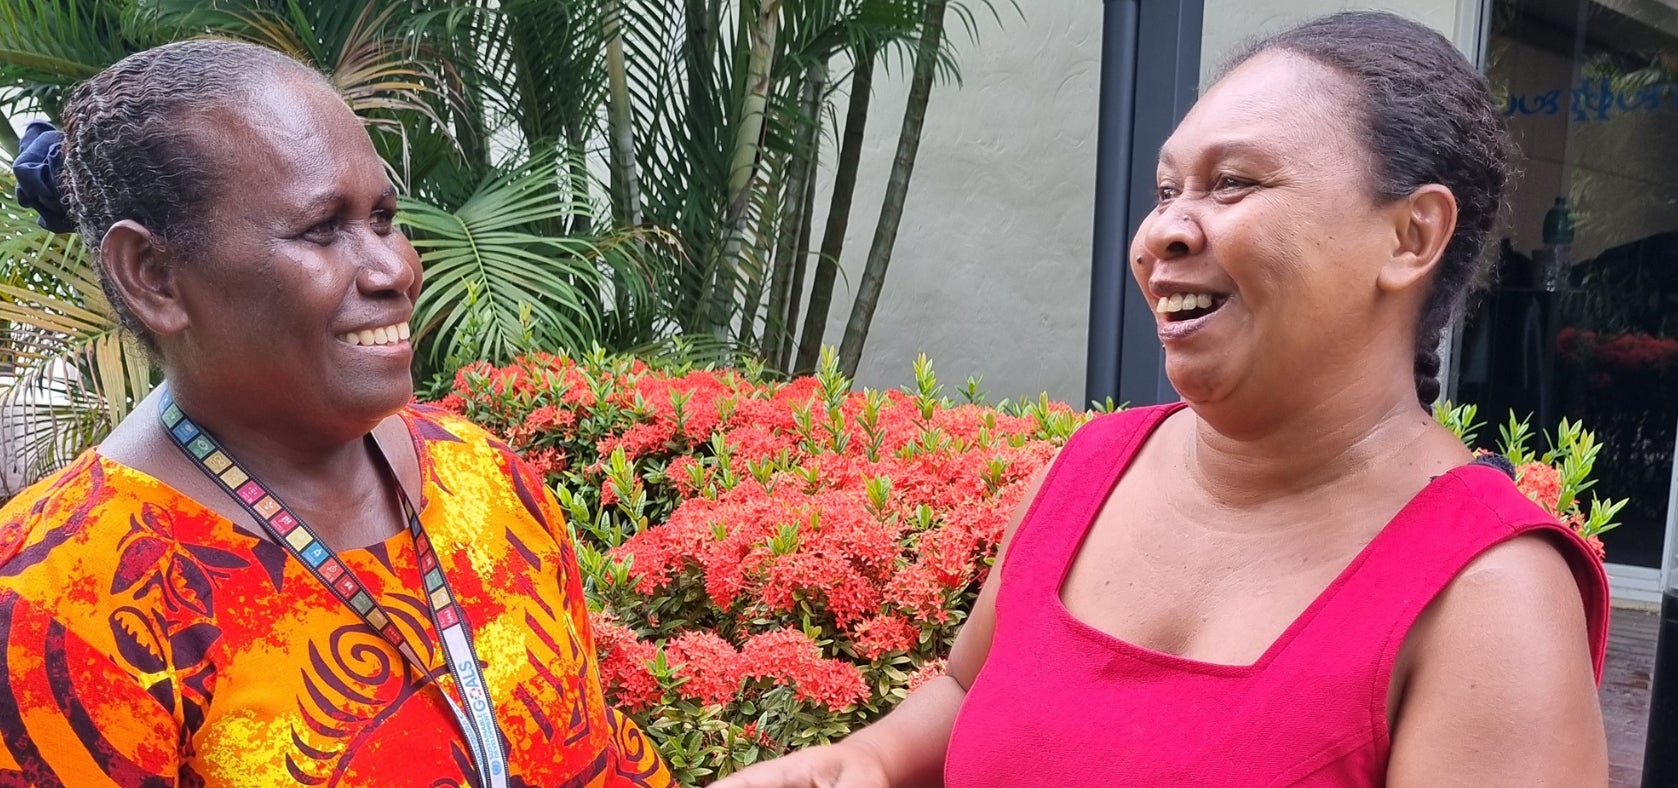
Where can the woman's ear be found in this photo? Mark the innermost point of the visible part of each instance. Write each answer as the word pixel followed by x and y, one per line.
pixel 1423 224
pixel 141 273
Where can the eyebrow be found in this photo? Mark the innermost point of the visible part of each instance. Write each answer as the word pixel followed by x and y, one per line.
pixel 1225 148
pixel 334 197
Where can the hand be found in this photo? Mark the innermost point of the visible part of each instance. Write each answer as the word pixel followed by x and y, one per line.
pixel 834 766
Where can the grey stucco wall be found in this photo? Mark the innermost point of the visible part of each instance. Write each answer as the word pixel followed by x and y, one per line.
pixel 990 274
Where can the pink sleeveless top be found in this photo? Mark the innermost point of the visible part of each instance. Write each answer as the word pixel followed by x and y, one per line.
pixel 1061 703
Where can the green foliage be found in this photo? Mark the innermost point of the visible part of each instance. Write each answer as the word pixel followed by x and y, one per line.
pixel 542 225
pixel 496 286
pixel 66 370
pixel 1461 420
pixel 1555 479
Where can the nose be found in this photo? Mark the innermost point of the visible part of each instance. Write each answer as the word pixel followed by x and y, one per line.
pixel 1172 231
pixel 389 265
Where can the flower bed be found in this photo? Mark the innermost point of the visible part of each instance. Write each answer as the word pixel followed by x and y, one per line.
pixel 775 563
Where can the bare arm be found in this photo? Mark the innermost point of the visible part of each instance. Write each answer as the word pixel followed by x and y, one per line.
pixel 1498 686
pixel 906 747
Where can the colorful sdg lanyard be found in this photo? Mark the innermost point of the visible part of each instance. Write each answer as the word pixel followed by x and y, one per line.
pixel 482 733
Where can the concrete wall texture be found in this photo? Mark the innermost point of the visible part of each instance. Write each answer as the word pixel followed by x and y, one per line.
pixel 1229 23
pixel 990 275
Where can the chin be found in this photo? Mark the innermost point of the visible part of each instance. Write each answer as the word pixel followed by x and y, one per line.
pixel 375 404
pixel 1195 382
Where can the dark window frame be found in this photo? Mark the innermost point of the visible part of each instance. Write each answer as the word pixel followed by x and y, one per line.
pixel 1139 108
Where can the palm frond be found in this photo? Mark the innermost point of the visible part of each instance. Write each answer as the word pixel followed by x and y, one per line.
pixel 489 274
pixel 72 373
pixel 47 46
pixel 59 42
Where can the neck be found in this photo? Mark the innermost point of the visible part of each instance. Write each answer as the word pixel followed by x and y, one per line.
pixel 1312 445
pixel 305 466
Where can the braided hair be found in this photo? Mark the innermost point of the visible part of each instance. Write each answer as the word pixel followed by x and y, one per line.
pixel 129 155
pixel 1429 117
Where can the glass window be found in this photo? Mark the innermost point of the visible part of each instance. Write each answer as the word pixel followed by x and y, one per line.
pixel 1582 319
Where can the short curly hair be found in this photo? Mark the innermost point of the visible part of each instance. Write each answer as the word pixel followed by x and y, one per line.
pixel 127 154
pixel 1429 117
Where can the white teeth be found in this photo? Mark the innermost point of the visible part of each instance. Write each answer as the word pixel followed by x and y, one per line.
pixel 1185 301
pixel 383 335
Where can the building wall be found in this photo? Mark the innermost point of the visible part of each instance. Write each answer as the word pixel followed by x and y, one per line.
pixel 1229 23
pixel 991 272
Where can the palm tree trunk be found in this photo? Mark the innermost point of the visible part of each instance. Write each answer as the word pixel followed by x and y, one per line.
pixel 626 181
pixel 801 172
pixel 746 152
pixel 703 28
pixel 838 214
pixel 806 227
pixel 897 189
pixel 769 217
pixel 702 32
pixel 742 166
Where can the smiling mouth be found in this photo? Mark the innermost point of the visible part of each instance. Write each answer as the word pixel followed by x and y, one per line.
pixel 1189 306
pixel 377 337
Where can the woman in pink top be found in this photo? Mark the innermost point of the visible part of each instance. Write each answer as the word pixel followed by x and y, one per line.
pixel 1298 578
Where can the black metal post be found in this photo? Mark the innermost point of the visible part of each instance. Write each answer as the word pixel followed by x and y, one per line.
pixel 1108 271
pixel 1139 108
pixel 1660 749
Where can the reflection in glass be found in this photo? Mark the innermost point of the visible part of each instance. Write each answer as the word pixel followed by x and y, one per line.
pixel 1582 318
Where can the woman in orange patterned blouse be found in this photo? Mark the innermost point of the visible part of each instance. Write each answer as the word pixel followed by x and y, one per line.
pixel 277 571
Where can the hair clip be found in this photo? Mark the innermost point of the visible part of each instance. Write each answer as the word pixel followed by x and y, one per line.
pixel 40 158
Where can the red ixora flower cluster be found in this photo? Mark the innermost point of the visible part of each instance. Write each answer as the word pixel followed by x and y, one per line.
pixel 770 536
pixel 854 558
pixel 807 537
pixel 1607 355
pixel 1543 484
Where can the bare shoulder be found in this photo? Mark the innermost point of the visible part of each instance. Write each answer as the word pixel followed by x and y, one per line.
pixel 1519 600
pixel 1498 685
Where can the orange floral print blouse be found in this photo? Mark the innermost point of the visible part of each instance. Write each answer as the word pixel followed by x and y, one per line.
pixel 147 642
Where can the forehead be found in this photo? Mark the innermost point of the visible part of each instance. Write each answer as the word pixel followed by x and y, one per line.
pixel 292 136
pixel 1278 103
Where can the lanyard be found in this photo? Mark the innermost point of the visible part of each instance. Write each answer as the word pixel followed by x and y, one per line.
pixel 477 720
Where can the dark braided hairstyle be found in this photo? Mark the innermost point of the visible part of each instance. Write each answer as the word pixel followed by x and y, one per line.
pixel 128 152
pixel 1428 117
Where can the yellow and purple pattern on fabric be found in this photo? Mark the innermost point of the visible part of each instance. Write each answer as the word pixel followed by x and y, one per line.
pixel 472 710
pixel 149 642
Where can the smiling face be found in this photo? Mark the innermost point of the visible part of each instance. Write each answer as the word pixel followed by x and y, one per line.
pixel 1263 255
pixel 294 309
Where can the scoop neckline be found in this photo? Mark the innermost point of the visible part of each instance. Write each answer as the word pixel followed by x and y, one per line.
pixel 1288 634
pixel 226 526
